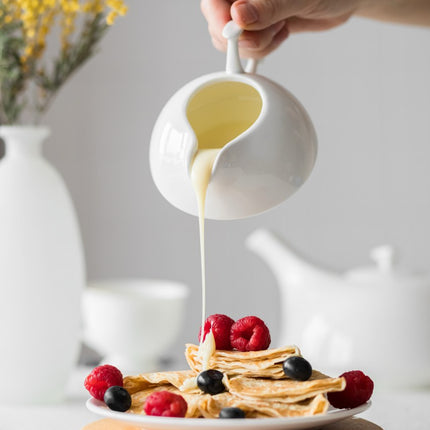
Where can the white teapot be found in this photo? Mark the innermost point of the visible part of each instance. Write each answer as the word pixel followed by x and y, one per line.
pixel 268 141
pixel 375 318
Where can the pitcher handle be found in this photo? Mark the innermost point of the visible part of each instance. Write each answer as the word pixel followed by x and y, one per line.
pixel 231 32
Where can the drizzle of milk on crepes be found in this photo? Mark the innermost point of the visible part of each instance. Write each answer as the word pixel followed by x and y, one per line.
pixel 207 349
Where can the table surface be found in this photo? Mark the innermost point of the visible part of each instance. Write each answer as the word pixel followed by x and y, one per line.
pixel 391 410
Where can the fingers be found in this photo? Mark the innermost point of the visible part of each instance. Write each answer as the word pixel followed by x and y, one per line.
pixel 259 40
pixel 297 25
pixel 217 14
pixel 258 44
pixel 252 44
pixel 267 23
pixel 259 14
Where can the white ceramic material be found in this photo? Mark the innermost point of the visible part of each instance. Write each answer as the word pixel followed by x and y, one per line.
pixel 131 322
pixel 375 318
pixel 167 423
pixel 255 171
pixel 42 273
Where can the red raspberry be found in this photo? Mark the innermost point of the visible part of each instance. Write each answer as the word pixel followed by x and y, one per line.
pixel 165 404
pixel 221 325
pixel 358 390
pixel 101 378
pixel 249 334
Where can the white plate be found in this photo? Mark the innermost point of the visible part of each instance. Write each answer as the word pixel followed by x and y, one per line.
pixel 166 423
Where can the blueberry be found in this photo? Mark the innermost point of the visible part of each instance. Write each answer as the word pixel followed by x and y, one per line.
pixel 232 413
pixel 297 368
pixel 117 398
pixel 210 381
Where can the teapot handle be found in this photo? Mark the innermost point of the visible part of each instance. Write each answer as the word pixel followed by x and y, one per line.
pixel 231 32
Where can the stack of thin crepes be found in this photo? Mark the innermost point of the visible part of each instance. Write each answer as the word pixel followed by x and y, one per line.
pixel 255 382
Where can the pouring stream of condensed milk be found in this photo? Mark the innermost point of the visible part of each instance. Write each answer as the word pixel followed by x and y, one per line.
pixel 200 176
pixel 218 114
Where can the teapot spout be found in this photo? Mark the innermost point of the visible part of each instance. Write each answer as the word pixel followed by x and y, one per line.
pixel 287 264
pixel 309 294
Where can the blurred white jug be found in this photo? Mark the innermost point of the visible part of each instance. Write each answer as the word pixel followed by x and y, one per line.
pixel 268 142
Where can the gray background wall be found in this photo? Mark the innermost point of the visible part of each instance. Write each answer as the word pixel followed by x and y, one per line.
pixel 366 86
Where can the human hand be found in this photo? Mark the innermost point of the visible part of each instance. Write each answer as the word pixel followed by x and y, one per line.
pixel 267 23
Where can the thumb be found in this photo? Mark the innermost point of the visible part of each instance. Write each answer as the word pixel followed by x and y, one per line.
pixel 260 14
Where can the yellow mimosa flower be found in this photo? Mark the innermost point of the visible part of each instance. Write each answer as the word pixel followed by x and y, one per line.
pixel 81 24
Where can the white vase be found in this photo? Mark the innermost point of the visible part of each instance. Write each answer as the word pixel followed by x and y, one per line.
pixel 42 273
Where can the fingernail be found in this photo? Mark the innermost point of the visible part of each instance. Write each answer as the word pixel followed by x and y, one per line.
pixel 247 12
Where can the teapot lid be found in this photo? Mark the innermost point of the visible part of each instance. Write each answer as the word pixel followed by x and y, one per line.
pixel 385 269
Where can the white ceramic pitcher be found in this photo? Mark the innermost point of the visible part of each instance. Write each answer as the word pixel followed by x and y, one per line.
pixel 268 142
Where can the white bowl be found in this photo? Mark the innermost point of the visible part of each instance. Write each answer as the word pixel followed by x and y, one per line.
pixel 131 322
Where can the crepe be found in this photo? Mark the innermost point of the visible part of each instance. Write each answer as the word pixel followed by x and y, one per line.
pixel 207 406
pixel 262 364
pixel 283 390
pixel 178 378
pixel 255 382
pixel 210 406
